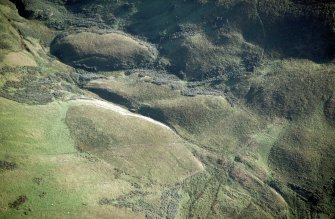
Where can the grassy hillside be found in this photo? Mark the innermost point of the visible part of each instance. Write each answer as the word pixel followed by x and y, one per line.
pixel 135 146
pixel 50 178
pixel 45 173
pixel 231 109
pixel 256 152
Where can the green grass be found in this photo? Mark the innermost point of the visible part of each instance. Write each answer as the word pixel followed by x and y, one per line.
pixel 302 156
pixel 10 40
pixel 210 121
pixel 30 130
pixel 134 146
pixel 37 139
pixel 290 88
pixel 267 138
pixel 237 144
pixel 222 132
pixel 199 57
pixel 269 156
pixel 30 141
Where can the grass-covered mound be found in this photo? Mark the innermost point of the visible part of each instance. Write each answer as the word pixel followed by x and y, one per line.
pixel 133 90
pixel 233 143
pixel 198 57
pixel 42 173
pixel 132 144
pixel 250 152
pixel 290 88
pixel 111 51
pixel 303 161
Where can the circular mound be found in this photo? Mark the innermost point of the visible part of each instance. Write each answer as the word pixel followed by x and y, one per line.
pixel 103 52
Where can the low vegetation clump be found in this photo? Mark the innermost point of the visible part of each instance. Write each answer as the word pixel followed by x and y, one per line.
pixel 5 165
pixel 19 201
